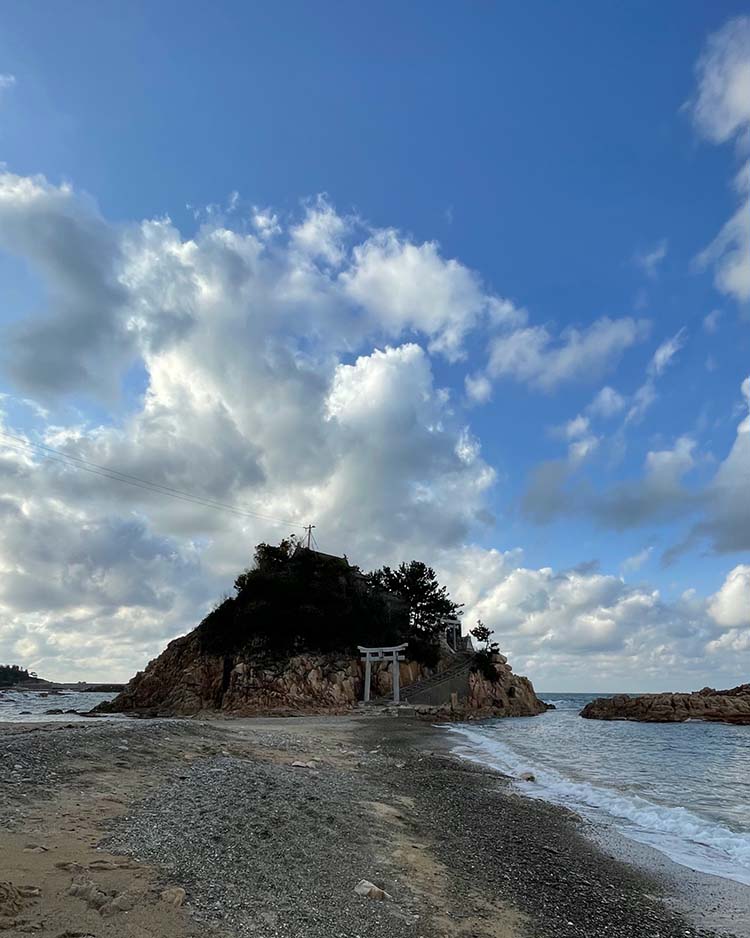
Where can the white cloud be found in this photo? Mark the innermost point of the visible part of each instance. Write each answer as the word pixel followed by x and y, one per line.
pixel 660 493
pixel 727 520
pixel 721 108
pixel 533 354
pixel 649 261
pixel 265 222
pixel 721 111
pixel 607 403
pixel 478 388
pixel 581 449
pixel 410 287
pixel 631 564
pixel 711 321
pixel 84 339
pixel 646 394
pixel 6 81
pixel 321 235
pixel 729 252
pixel 582 443
pixel 577 628
pixel 730 606
pixel 577 427
pixel 248 400
pixel 666 352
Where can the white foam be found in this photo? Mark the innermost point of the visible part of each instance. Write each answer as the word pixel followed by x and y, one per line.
pixel 683 836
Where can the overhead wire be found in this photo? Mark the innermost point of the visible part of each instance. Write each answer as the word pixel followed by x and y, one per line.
pixel 76 462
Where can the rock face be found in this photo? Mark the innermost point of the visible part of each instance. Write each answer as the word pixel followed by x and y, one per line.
pixel 185 680
pixel 717 706
pixel 509 695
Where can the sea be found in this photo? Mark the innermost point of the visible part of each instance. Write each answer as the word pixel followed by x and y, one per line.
pixel 681 788
pixel 30 706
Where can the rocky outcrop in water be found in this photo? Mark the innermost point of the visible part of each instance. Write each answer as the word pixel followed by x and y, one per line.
pixel 717 706
pixel 508 695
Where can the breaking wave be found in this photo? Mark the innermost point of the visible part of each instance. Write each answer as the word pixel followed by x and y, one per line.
pixel 686 836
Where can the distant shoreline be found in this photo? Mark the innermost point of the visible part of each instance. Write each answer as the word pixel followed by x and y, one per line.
pixel 52 687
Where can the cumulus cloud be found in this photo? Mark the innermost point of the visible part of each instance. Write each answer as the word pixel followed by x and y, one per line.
pixel 576 628
pixel 409 287
pixel 321 234
pixel 533 355
pixel 730 606
pixel 721 111
pixel 85 337
pixel 252 398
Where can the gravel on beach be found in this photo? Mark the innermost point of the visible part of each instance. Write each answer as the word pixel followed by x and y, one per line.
pixel 266 848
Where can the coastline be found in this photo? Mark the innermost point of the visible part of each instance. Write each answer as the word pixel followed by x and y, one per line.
pixel 263 847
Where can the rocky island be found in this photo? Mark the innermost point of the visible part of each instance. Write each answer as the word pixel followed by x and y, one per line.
pixel 287 644
pixel 717 706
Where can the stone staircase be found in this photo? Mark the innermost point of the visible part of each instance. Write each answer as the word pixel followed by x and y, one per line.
pixel 461 662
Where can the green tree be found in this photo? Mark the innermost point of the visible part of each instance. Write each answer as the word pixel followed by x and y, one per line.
pixel 294 600
pixel 417 586
pixel 483 659
pixel 268 559
pixel 12 674
pixel 482 633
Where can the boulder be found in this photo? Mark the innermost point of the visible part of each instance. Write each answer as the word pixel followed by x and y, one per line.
pixel 174 895
pixel 370 891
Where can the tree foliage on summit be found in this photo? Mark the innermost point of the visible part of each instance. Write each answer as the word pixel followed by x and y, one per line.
pixel 11 674
pixel 293 599
pixel 417 586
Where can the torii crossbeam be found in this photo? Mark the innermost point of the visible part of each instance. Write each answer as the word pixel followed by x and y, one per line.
pixel 379 654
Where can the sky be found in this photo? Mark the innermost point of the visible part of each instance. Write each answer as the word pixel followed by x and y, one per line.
pixel 466 283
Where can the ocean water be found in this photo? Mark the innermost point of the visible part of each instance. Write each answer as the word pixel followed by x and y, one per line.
pixel 682 788
pixel 29 706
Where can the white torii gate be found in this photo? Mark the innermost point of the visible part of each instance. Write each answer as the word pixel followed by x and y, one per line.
pixel 378 654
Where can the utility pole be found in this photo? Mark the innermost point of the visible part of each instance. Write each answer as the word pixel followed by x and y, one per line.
pixel 309 530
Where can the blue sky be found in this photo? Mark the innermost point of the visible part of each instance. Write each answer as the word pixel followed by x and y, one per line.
pixel 572 162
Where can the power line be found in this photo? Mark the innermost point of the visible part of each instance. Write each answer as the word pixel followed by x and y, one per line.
pixel 76 462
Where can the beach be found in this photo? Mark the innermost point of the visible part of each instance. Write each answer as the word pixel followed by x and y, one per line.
pixel 207 827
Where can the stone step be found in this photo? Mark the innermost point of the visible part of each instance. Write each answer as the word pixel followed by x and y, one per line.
pixel 461 663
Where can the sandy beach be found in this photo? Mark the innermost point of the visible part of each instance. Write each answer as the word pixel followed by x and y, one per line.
pixel 207 828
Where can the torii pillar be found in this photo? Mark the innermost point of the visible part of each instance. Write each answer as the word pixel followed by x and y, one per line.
pixel 378 654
